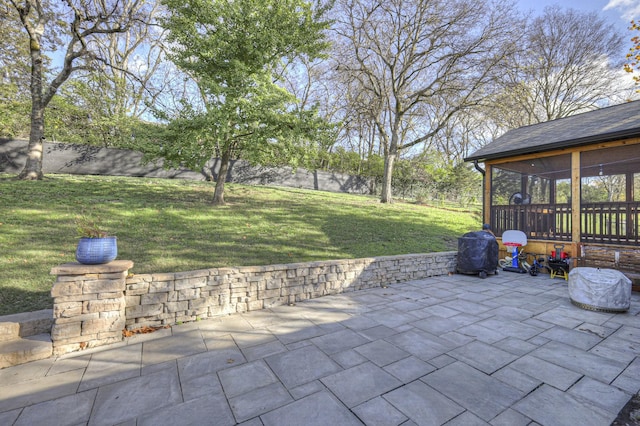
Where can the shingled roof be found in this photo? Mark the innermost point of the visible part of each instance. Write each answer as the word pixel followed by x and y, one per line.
pixel 602 125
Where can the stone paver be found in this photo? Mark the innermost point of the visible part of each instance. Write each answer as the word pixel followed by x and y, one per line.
pixel 69 410
pixel 440 325
pixel 618 349
pixel 572 337
pixel 547 372
pixel 456 350
pixel 515 346
pixel 30 392
pixel 511 418
pixel 301 366
pixel 223 356
pixel 423 404
pixel 381 353
pixel 607 397
pixel 194 388
pixel 569 357
pixel 117 402
pixel 549 406
pixel 483 395
pixel 259 401
pixel 319 409
pixel 169 348
pixel 112 366
pixel 360 383
pixel 245 378
pixel 409 369
pixel 483 334
pixel 420 344
pixel 379 412
pixel 30 371
pixel 517 379
pixel 349 358
pixel 485 358
pixel 339 341
pixel 208 409
pixel 511 328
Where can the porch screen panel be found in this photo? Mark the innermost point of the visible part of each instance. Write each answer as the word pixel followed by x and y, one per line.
pixel 525 196
pixel 609 195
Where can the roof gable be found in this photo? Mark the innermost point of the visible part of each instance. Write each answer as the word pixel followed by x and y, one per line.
pixel 601 125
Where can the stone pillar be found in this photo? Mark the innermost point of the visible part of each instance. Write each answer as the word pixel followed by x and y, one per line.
pixel 88 305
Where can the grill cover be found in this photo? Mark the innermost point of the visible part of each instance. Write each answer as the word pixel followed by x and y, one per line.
pixel 477 253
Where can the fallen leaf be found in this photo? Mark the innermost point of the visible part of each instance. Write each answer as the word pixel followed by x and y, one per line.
pixel 142 330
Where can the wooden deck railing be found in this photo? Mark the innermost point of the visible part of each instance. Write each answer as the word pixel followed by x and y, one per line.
pixel 606 223
pixel 538 221
pixel 611 223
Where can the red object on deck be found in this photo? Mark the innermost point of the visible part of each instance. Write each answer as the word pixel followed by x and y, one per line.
pixel 563 255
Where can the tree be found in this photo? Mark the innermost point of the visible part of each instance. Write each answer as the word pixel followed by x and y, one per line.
pixel 86 20
pixel 14 76
pixel 309 81
pixel 568 64
pixel 634 53
pixel 419 62
pixel 128 75
pixel 14 53
pixel 233 50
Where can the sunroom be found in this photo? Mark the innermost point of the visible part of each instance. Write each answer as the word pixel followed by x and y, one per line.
pixel 571 184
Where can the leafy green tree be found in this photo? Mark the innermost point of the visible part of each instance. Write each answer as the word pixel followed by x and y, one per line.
pixel 14 120
pixel 14 76
pixel 563 191
pixel 233 51
pixel 14 52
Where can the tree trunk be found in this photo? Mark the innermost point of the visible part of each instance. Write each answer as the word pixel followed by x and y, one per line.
pixel 33 168
pixel 85 23
pixel 218 194
pixel 386 196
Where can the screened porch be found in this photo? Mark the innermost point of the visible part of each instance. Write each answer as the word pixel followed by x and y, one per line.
pixel 535 193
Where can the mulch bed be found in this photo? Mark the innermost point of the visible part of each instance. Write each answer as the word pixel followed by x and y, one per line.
pixel 630 414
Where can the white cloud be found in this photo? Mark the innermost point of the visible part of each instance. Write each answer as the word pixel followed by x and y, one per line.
pixel 629 9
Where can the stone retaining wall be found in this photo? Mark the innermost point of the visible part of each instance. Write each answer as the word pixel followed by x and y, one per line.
pixel 94 303
pixel 160 299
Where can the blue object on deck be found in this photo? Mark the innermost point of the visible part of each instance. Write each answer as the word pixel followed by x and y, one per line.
pixel 515 239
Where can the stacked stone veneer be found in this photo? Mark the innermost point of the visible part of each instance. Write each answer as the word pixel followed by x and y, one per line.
pixel 88 305
pixel 93 304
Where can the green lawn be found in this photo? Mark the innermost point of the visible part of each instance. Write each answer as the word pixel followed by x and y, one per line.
pixel 167 225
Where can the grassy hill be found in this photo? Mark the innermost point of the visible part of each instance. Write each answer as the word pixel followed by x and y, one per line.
pixel 170 225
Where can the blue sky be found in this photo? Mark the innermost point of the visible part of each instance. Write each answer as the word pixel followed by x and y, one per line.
pixel 618 12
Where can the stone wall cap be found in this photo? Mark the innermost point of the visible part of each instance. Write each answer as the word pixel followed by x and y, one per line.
pixel 75 268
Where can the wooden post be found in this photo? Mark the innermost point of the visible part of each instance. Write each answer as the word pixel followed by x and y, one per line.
pixel 487 193
pixel 575 198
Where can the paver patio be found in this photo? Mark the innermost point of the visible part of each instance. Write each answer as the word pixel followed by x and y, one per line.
pixel 456 350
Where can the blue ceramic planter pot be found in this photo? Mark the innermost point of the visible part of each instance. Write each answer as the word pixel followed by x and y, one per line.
pixel 94 251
